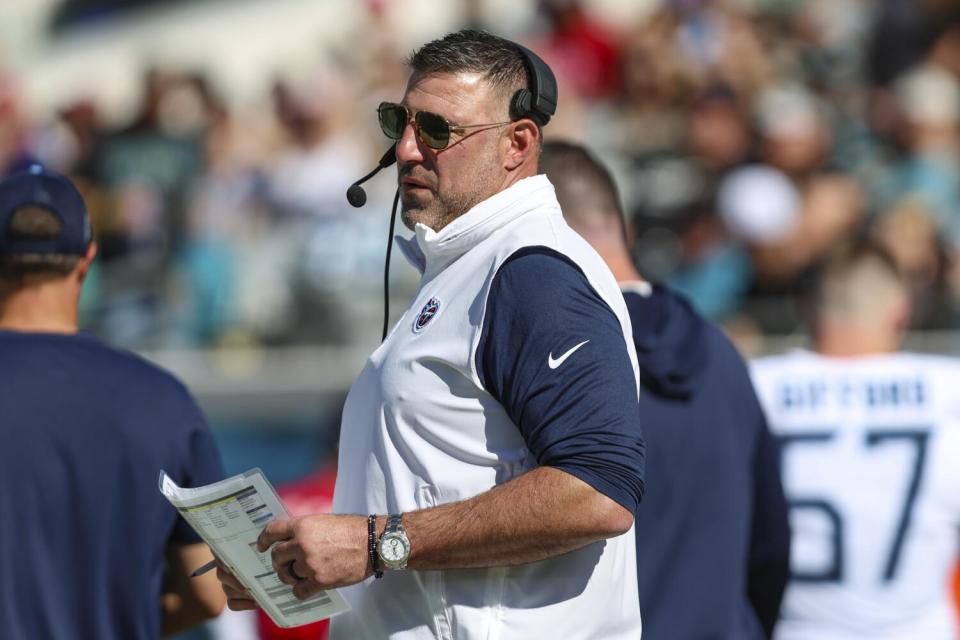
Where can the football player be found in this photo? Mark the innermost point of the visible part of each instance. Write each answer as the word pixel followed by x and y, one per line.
pixel 870 444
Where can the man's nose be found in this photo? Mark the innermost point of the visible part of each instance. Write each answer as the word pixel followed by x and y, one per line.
pixel 408 146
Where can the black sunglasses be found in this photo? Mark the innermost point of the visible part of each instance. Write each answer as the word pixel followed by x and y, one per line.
pixel 433 129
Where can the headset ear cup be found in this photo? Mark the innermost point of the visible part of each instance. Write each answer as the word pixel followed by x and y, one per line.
pixel 521 104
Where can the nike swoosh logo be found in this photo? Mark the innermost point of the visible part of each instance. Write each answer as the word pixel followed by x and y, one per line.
pixel 554 363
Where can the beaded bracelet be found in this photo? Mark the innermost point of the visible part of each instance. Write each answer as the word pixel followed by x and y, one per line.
pixel 372 546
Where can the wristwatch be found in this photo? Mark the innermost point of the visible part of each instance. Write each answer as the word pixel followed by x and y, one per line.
pixel 394 545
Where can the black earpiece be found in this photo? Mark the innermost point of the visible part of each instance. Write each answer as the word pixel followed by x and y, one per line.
pixel 539 102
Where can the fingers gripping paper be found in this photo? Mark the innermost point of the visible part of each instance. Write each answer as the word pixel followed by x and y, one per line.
pixel 229 516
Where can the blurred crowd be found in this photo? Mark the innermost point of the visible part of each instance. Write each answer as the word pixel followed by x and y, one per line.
pixel 749 138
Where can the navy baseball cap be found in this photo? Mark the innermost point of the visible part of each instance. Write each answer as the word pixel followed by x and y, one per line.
pixel 40 187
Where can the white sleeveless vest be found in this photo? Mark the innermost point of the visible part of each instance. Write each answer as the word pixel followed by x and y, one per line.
pixel 419 430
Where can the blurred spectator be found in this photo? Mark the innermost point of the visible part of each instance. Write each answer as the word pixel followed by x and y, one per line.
pixel 580 50
pixel 758 204
pixel 795 139
pixel 720 136
pixel 225 206
pixel 920 198
pixel 928 99
pixel 15 156
pixel 148 168
pixel 322 156
pixel 652 80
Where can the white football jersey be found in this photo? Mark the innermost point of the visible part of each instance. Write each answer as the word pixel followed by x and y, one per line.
pixel 870 451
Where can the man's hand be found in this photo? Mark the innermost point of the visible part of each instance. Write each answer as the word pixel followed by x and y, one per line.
pixel 188 601
pixel 326 551
pixel 238 598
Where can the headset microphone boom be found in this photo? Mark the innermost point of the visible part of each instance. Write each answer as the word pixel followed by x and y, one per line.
pixel 357 197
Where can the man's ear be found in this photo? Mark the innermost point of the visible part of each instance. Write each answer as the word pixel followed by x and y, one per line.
pixel 83 267
pixel 524 141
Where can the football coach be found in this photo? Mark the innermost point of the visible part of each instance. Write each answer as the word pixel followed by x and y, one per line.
pixel 490 455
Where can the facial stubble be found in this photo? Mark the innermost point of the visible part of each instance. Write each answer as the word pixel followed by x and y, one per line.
pixel 437 209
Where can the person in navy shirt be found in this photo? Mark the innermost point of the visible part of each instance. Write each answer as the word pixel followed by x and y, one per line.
pixel 712 532
pixel 89 548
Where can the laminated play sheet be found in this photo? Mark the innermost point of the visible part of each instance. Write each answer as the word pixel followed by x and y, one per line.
pixel 229 516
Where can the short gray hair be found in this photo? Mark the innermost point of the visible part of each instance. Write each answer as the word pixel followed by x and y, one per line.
pixel 498 60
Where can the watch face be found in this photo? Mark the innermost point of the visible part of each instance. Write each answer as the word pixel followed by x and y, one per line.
pixel 393 548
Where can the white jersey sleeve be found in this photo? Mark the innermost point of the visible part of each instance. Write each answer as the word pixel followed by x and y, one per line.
pixel 870 453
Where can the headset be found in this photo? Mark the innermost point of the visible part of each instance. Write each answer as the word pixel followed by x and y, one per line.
pixel 538 102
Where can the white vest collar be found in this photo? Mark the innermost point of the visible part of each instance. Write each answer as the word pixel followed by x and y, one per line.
pixel 429 249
